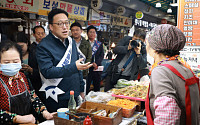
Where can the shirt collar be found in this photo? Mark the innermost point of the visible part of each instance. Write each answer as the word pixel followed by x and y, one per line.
pixel 59 38
pixel 36 42
pixel 78 42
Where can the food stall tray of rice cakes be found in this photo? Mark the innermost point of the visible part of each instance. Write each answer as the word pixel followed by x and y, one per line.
pixel 113 115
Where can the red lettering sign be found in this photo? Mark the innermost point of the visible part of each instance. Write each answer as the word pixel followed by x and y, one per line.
pixel 69 8
pixel 28 2
pixel 62 6
pixel 10 1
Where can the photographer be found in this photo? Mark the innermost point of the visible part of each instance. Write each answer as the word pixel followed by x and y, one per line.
pixel 131 60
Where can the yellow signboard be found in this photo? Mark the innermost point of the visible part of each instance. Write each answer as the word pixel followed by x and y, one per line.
pixel 139 15
pixel 75 11
pixel 20 5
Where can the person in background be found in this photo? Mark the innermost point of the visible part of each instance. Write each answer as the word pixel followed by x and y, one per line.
pixel 16 97
pixel 82 44
pixel 131 59
pixel 34 76
pixel 173 96
pixel 109 54
pixel 105 49
pixel 97 57
pixel 59 63
pixel 23 41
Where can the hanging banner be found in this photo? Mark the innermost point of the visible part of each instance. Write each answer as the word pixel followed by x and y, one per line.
pixel 94 22
pixel 30 6
pixel 75 11
pixel 109 18
pixel 189 20
pixel 143 23
pixel 191 55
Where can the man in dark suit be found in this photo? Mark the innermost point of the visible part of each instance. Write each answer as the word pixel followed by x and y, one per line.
pixel 97 57
pixel 39 34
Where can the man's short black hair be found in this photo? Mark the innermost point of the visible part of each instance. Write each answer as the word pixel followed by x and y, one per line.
pixel 140 33
pixel 76 24
pixel 38 27
pixel 54 12
pixel 91 27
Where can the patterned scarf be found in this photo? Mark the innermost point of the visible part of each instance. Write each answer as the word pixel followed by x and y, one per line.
pixel 176 57
pixel 166 37
pixel 11 78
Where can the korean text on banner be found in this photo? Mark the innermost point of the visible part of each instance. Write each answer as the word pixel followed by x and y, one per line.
pixel 20 5
pixel 75 11
pixel 189 20
pixel 191 55
pixel 109 18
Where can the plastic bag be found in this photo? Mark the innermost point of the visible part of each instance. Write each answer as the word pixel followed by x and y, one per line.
pixel 99 97
pixel 145 79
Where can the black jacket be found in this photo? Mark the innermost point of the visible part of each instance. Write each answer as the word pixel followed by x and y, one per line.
pixel 32 62
pixel 98 57
pixel 139 63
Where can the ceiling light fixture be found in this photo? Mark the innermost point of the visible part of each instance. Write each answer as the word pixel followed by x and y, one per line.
pixel 158 5
pixel 174 4
pixel 169 10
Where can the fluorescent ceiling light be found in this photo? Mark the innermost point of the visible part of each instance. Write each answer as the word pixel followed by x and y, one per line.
pixel 169 10
pixel 158 4
pixel 174 4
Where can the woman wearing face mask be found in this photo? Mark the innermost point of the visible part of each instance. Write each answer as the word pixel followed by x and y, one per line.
pixel 173 97
pixel 16 98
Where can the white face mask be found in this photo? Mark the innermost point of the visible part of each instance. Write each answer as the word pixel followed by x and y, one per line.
pixel 150 59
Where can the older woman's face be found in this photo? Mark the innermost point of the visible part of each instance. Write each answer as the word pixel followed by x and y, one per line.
pixel 150 51
pixel 10 56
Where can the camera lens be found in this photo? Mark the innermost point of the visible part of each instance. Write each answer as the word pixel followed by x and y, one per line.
pixel 135 43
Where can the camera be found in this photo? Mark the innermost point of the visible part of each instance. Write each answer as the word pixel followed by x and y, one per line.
pixel 135 43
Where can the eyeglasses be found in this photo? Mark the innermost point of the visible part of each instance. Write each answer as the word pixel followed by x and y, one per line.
pixel 61 24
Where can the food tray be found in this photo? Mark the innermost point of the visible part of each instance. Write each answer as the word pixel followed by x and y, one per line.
pixel 62 121
pixel 127 113
pixel 89 107
pixel 127 97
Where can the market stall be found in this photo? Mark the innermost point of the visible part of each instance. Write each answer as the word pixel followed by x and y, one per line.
pixel 119 106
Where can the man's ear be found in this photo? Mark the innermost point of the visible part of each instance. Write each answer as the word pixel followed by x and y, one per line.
pixel 51 27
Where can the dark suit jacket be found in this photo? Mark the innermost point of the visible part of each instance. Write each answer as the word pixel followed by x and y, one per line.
pixel 139 63
pixel 98 57
pixel 32 62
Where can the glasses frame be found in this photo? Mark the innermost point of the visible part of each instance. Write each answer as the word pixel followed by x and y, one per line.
pixel 61 24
